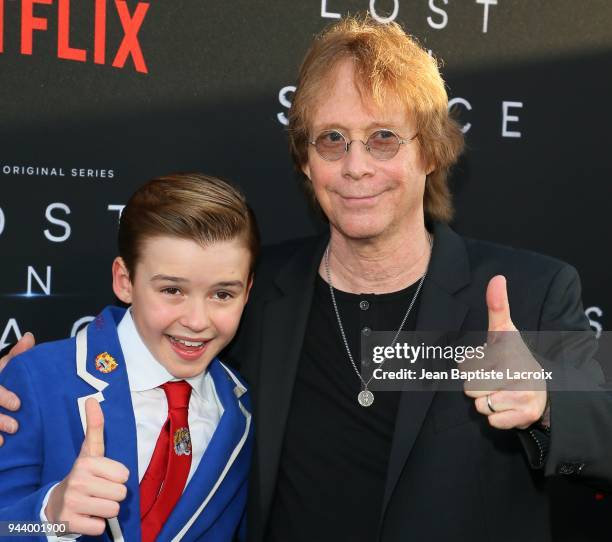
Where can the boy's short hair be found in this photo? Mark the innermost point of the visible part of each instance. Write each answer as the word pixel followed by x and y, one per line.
pixel 191 206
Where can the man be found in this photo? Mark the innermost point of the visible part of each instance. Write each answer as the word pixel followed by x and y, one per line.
pixel 370 130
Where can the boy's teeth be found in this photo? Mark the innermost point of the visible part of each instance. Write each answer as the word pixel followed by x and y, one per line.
pixel 189 343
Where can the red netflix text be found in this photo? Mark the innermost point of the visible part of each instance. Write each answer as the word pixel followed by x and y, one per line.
pixel 34 22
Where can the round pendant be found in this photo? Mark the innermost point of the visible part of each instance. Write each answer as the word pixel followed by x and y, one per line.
pixel 365 398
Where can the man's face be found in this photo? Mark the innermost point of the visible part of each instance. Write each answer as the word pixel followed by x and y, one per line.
pixel 365 198
pixel 186 299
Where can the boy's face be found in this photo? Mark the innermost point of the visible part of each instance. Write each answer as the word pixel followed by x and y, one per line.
pixel 186 299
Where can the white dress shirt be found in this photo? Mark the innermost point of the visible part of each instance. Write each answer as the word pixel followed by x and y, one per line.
pixel 145 376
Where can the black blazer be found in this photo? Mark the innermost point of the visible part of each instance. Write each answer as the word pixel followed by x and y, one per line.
pixel 450 475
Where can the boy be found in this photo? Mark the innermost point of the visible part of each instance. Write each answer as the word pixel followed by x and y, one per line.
pixel 166 451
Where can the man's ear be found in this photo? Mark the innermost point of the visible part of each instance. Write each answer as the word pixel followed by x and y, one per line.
pixel 122 285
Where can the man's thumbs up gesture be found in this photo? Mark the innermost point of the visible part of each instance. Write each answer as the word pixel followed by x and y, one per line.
pixel 498 306
pixel 94 487
pixel 508 408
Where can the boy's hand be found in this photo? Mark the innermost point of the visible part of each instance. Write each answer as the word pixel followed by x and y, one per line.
pixel 8 399
pixel 94 487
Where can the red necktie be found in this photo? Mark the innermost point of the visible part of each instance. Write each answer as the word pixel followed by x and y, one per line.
pixel 165 478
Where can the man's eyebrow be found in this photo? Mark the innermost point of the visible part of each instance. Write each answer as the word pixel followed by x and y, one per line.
pixel 330 126
pixel 372 126
pixel 169 278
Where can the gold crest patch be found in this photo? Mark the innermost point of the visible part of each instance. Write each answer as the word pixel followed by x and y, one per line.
pixel 182 442
pixel 105 363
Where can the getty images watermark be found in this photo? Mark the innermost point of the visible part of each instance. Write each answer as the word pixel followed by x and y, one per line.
pixel 551 360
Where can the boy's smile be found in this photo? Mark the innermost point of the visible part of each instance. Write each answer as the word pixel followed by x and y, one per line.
pixel 188 348
pixel 187 299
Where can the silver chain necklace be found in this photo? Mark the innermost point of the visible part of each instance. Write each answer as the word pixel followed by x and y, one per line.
pixel 365 397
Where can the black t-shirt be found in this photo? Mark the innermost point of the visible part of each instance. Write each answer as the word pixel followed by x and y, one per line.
pixel 334 461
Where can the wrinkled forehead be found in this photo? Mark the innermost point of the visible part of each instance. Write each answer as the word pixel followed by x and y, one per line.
pixel 341 83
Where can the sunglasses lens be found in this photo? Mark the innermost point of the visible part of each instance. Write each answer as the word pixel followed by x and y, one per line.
pixel 331 145
pixel 383 144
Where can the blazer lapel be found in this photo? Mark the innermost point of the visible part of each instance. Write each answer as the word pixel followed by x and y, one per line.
pixel 439 312
pixel 284 326
pixel 115 401
pixel 221 471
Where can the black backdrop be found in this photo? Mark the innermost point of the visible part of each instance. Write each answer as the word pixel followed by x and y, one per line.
pixel 86 116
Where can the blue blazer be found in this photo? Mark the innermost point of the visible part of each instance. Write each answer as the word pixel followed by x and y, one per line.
pixel 53 381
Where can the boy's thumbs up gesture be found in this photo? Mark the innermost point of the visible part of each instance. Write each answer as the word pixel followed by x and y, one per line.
pixel 94 487
pixel 93 445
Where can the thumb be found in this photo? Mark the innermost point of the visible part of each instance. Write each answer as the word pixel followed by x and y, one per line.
pixel 498 306
pixel 25 343
pixel 93 445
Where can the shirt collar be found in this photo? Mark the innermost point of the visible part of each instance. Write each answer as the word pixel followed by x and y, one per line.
pixel 144 371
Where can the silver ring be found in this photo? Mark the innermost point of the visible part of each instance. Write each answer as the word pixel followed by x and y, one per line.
pixel 489 404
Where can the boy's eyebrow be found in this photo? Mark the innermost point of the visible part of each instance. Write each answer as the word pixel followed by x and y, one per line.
pixel 222 284
pixel 168 278
pixel 229 284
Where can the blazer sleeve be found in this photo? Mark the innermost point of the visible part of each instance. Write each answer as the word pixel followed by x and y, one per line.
pixel 580 443
pixel 21 456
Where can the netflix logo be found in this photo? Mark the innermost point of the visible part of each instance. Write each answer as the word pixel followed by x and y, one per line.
pixel 39 16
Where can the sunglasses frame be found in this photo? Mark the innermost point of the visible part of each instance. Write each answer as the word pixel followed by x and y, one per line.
pixel 347 143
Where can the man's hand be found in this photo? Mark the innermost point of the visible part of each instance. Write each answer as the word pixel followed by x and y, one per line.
pixel 511 408
pixel 94 487
pixel 8 399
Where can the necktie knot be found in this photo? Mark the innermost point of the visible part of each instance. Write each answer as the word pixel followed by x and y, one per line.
pixel 177 393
